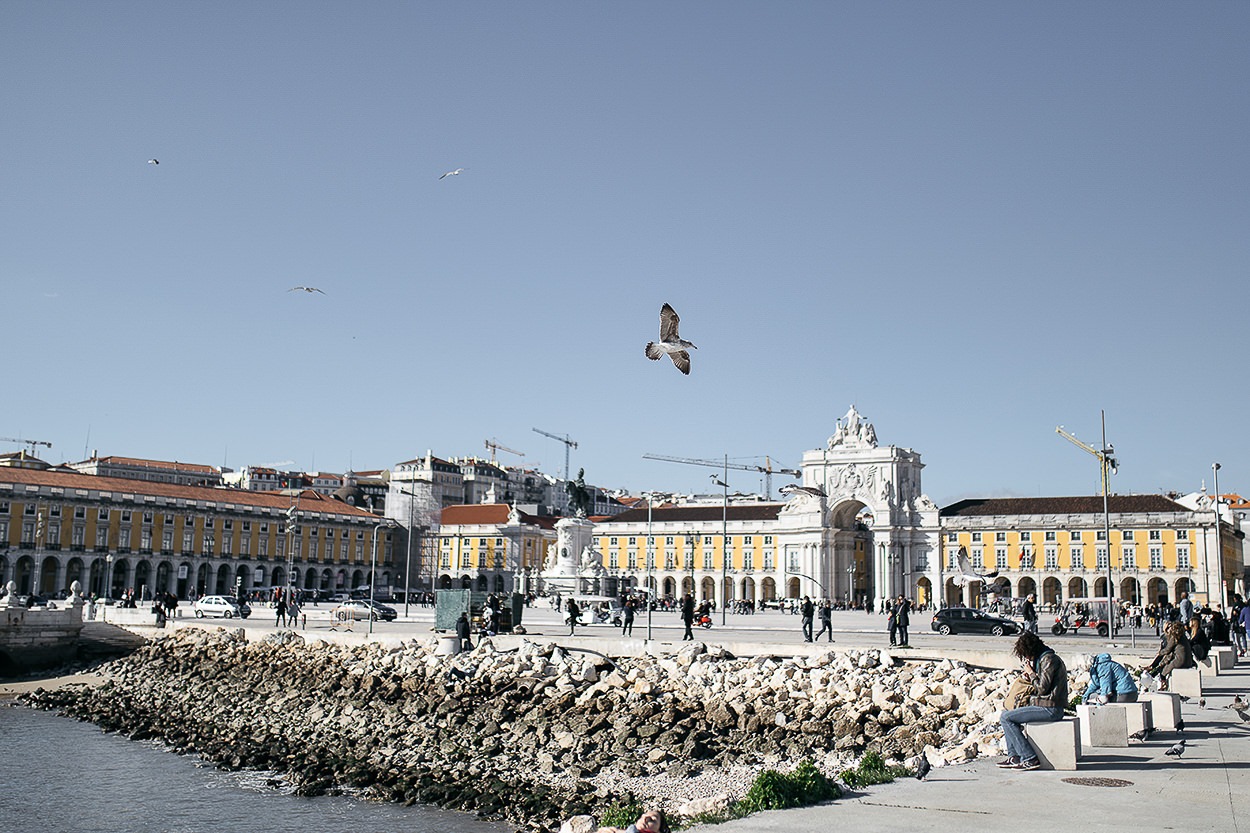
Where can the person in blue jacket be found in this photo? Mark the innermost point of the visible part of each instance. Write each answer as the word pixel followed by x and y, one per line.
pixel 1109 682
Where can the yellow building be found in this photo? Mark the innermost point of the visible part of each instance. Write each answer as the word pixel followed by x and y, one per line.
pixel 492 547
pixel 1057 548
pixel 118 534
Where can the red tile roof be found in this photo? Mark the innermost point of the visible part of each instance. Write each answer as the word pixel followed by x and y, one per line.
pixel 1118 504
pixel 156 464
pixel 308 501
pixel 704 512
pixel 487 514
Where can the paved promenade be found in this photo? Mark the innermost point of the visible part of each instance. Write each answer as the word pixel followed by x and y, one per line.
pixel 1207 790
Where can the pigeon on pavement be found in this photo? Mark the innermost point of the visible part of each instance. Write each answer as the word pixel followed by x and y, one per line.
pixel 922 768
pixel 1177 749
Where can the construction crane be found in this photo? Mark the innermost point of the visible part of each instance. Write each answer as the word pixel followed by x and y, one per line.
pixel 767 469
pixel 1107 465
pixel 569 444
pixel 492 445
pixel 31 443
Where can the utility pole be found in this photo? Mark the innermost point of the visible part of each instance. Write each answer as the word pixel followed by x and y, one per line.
pixel 1107 465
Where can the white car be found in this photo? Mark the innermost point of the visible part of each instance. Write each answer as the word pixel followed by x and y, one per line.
pixel 222 606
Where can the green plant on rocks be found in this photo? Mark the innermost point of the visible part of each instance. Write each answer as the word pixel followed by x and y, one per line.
pixel 775 790
pixel 621 814
pixel 872 770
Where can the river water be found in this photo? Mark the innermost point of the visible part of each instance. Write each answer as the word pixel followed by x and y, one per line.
pixel 59 775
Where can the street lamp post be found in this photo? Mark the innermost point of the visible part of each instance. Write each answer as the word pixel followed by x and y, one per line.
pixel 108 571
pixel 850 583
pixel 421 535
pixel 724 553
pixel 373 572
pixel 1219 553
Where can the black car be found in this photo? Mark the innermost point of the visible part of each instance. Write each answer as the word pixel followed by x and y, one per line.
pixel 967 620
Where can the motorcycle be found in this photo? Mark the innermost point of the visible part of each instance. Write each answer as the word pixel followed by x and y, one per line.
pixel 703 621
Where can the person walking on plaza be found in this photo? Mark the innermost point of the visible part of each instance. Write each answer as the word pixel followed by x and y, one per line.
pixel 902 618
pixel 627 619
pixel 464 631
pixel 1049 676
pixel 1243 620
pixel 890 621
pixel 1028 611
pixel 280 609
pixel 825 613
pixel 687 616
pixel 573 612
pixel 807 610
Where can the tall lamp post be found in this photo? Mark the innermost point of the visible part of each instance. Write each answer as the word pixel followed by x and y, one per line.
pixel 421 534
pixel 724 553
pixel 1219 552
pixel 1107 465
pixel 850 583
pixel 373 571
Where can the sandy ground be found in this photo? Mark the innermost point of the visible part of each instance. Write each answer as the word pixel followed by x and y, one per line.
pixel 12 688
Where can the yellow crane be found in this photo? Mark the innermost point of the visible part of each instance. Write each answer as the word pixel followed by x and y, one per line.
pixel 767 470
pixel 31 443
pixel 1106 457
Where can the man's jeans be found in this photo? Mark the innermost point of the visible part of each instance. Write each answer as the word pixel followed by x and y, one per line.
pixel 1013 733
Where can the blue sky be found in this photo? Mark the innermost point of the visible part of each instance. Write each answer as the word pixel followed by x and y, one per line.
pixel 975 221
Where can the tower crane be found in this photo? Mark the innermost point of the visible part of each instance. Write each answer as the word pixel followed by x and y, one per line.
pixel 492 445
pixel 31 443
pixel 569 444
pixel 1108 465
pixel 767 469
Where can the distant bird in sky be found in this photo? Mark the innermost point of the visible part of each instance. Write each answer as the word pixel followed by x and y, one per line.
pixel 1177 749
pixel 670 342
pixel 305 289
pixel 967 573
pixel 456 172
pixel 922 768
pixel 154 161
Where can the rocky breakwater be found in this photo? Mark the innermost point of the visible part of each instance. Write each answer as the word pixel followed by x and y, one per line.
pixel 536 734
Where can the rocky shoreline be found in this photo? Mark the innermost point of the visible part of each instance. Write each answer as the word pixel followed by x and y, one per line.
pixel 536 734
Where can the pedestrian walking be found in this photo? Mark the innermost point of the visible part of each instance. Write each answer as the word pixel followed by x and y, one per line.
pixel 627 619
pixel 808 611
pixel 573 611
pixel 890 621
pixel 687 616
pixel 1028 611
pixel 902 618
pixel 825 614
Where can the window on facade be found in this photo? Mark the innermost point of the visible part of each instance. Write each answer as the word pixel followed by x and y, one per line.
pixel 1000 558
pixel 123 539
pixel 1182 558
pixel 445 561
pixel 80 534
pixel 360 552
pixel 1128 557
pixel 976 537
pixel 247 526
pixel 668 561
pixel 1102 558
pixel 1155 535
pixel 102 515
pixel 1000 537
pixel 632 561
pixel 612 542
pixel 613 560
pixel 668 540
pixel 1182 534
pixel 748 560
pixel 101 537
pixel 1156 558
pixel 227 545
pixel 768 559
pixel 186 541
pixel 125 516
pixel 978 557
pixel 1101 535
pixel 707 540
pixel 147 517
pixel 1050 536
pixel 145 539
pixel 227 524
pixel 1052 558
pixel 167 540
pixel 29 509
pixel 952 537
pixel 1126 535
pixel 80 513
pixel 633 542
pixel 54 534
pixel 707 559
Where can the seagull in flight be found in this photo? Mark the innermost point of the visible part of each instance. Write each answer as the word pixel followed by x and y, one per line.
pixel 670 342
pixel 967 573
pixel 305 289
pixel 456 172
pixel 154 161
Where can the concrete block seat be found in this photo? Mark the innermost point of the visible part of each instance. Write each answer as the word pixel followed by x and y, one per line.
pixel 1224 659
pixel 1057 744
pixel 1112 723
pixel 1186 682
pixel 1165 709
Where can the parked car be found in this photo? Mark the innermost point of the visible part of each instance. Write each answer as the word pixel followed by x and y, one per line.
pixel 220 606
pixel 967 620
pixel 364 609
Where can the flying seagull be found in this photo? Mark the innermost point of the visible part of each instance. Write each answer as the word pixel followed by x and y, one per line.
pixel 792 488
pixel 154 161
pixel 305 289
pixel 1177 749
pixel 967 573
pixel 456 172
pixel 670 342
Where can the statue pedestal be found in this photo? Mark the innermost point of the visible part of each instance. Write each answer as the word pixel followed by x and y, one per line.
pixel 572 565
